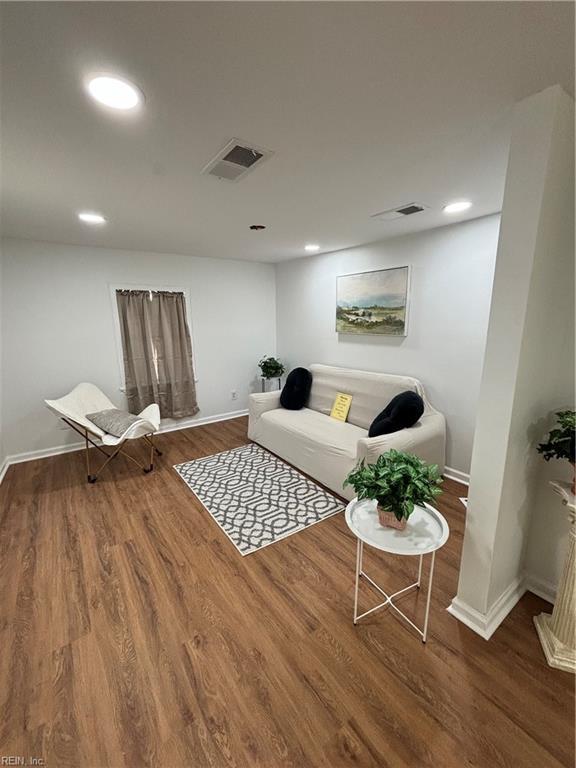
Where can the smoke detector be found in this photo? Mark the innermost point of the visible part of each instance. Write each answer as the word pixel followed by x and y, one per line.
pixel 235 160
pixel 409 209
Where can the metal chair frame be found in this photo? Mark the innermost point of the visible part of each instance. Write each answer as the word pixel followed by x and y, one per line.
pixel 115 452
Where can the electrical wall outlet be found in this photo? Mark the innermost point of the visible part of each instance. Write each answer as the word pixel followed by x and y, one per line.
pixel 234 394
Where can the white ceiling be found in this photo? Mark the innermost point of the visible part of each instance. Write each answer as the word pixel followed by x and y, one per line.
pixel 366 105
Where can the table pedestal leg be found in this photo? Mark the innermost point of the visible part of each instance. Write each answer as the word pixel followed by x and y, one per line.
pixel 430 577
pixel 359 549
pixel 390 598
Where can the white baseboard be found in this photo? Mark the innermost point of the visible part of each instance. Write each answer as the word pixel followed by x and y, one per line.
pixel 456 474
pixel 189 423
pixel 541 587
pixel 485 624
pixel 57 450
pixel 43 453
pixel 3 468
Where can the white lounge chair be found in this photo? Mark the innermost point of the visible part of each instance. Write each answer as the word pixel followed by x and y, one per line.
pixel 87 398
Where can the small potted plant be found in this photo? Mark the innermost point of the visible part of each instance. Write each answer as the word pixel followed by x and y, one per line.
pixel 397 481
pixel 271 368
pixel 560 441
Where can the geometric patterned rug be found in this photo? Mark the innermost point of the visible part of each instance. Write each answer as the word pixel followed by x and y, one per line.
pixel 255 497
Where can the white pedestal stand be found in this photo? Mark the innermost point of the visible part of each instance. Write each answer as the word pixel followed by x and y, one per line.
pixel 557 632
pixel 274 378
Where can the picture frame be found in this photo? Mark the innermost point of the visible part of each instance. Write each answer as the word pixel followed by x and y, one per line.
pixel 373 303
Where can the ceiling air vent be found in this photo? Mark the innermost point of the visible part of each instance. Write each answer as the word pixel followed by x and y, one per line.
pixel 398 213
pixel 235 160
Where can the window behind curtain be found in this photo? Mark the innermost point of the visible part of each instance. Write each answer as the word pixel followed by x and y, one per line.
pixel 157 352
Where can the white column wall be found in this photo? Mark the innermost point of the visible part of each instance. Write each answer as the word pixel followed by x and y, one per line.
pixel 527 370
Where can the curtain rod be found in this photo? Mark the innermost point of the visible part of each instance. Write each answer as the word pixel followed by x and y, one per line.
pixel 125 291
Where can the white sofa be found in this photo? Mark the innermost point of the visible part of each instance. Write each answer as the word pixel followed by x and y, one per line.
pixel 327 449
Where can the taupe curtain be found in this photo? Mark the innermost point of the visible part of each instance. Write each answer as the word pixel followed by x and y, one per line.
pixel 157 352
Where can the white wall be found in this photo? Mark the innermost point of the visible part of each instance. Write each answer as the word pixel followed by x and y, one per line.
pixel 529 368
pixel 551 340
pixel 549 525
pixel 68 333
pixel 58 328
pixel 546 371
pixel 451 284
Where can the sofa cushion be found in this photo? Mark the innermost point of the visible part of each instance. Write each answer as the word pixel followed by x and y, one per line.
pixel 113 421
pixel 323 448
pixel 296 390
pixel 369 391
pixel 316 429
pixel 402 411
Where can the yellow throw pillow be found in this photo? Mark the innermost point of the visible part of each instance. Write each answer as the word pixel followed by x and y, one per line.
pixel 341 406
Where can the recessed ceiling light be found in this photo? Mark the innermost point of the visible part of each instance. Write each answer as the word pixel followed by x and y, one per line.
pixel 457 207
pixel 91 218
pixel 311 247
pixel 114 92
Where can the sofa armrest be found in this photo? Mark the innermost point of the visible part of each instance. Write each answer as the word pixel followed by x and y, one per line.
pixel 426 439
pixel 258 404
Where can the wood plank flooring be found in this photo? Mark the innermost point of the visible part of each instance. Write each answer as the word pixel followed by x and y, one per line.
pixel 132 634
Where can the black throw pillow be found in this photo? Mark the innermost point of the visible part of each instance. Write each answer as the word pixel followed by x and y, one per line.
pixel 402 411
pixel 296 389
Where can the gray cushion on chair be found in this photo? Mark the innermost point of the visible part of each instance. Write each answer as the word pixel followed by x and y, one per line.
pixel 113 421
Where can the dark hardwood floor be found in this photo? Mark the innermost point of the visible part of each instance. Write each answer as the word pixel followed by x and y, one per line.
pixel 132 633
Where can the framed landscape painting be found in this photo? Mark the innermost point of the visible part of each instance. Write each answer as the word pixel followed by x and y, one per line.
pixel 373 302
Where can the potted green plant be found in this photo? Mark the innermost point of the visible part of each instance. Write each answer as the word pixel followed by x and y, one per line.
pixel 398 481
pixel 560 441
pixel 271 368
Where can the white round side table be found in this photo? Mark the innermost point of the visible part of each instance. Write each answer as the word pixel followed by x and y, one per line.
pixel 426 531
